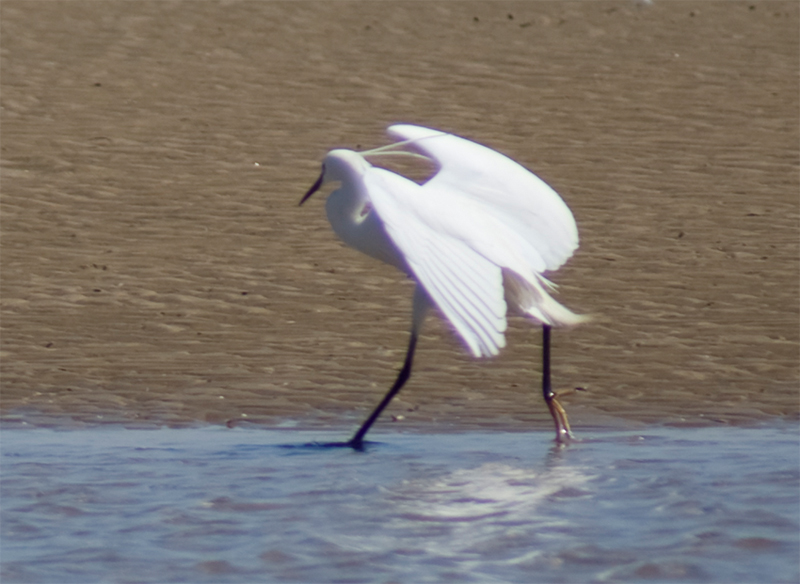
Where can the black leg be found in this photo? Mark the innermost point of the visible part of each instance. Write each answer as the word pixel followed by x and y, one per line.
pixel 357 441
pixel 547 388
pixel 563 432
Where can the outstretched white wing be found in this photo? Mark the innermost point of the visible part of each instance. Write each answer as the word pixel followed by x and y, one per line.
pixel 530 214
pixel 481 215
pixel 465 285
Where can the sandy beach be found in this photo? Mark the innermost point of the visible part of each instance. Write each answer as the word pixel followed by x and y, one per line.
pixel 156 268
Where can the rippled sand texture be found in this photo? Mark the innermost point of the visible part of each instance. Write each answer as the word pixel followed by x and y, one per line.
pixel 156 266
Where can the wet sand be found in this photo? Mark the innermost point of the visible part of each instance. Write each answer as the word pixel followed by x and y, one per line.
pixel 156 268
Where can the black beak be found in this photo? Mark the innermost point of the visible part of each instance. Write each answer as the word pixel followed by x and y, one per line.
pixel 314 188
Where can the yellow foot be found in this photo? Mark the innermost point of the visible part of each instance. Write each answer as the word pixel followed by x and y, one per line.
pixel 567 391
pixel 563 431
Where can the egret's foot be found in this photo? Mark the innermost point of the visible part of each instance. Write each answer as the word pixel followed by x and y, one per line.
pixel 359 446
pixel 333 444
pixel 355 444
pixel 567 391
pixel 563 431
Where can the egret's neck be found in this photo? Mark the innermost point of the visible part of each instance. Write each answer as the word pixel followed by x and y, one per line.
pixel 348 205
pixel 350 210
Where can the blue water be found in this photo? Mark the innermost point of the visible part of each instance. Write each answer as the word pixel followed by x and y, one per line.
pixel 251 505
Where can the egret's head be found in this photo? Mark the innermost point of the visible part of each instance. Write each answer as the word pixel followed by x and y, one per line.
pixel 339 165
pixel 347 165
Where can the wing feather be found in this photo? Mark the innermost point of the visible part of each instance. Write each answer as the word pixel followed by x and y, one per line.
pixel 504 189
pixel 480 315
pixel 461 317
pixel 466 286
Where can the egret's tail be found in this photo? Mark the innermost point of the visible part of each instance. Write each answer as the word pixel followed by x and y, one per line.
pixel 532 298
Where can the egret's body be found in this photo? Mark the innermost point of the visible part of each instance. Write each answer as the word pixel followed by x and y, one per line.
pixel 481 232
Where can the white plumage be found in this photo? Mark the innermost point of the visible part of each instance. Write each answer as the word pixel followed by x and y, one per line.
pixel 481 231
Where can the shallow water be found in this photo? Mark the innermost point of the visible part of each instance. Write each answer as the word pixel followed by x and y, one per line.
pixel 249 505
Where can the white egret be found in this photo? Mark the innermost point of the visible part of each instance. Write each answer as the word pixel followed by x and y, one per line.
pixel 478 234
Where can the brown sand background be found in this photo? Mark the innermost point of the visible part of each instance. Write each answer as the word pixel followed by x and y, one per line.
pixel 156 268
